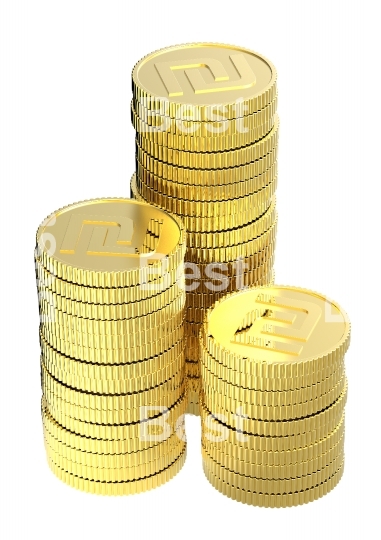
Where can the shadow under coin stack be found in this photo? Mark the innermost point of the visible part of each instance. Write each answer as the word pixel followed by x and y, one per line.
pixel 273 395
pixel 206 150
pixel 111 302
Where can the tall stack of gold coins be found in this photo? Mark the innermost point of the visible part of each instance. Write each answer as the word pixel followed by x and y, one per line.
pixel 110 276
pixel 206 150
pixel 273 395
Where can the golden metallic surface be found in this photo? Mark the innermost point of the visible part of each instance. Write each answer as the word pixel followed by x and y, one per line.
pixel 266 456
pixel 248 252
pixel 209 209
pixel 119 488
pixel 257 325
pixel 120 326
pixel 191 143
pixel 266 406
pixel 111 402
pixel 280 428
pixel 114 356
pixel 238 392
pixel 115 439
pixel 232 282
pixel 193 408
pixel 276 448
pixel 276 398
pixel 109 312
pixel 274 472
pixel 211 160
pixel 113 379
pixel 99 384
pixel 98 243
pixel 114 461
pixel 273 487
pixel 273 501
pixel 211 129
pixel 193 355
pixel 224 221
pixel 212 289
pixel 116 474
pixel 194 384
pixel 192 369
pixel 203 79
pixel 204 177
pixel 211 192
pixel 232 375
pixel 116 372
pixel 111 416
pixel 128 341
pixel 151 293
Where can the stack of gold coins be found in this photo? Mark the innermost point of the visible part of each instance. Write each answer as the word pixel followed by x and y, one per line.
pixel 273 395
pixel 110 275
pixel 206 150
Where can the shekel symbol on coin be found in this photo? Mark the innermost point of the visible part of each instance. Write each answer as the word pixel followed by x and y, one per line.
pixel 106 236
pixel 279 325
pixel 222 83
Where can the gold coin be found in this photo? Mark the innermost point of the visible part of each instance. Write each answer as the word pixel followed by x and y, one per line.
pixel 210 192
pixel 282 331
pixel 148 295
pixel 112 416
pixel 124 355
pixel 119 488
pixel 266 406
pixel 120 326
pixel 185 207
pixel 234 254
pixel 113 379
pixel 275 472
pixel 103 402
pixel 273 487
pixel 280 428
pixel 254 381
pixel 116 439
pixel 70 373
pixel 198 143
pixel 52 330
pixel 211 160
pixel 118 474
pixel 204 129
pixel 261 452
pixel 98 243
pixel 215 222
pixel 113 461
pixel 237 392
pixel 204 177
pixel 111 312
pixel 273 501
pixel 190 78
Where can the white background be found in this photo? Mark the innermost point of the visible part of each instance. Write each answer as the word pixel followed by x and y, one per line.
pixel 65 135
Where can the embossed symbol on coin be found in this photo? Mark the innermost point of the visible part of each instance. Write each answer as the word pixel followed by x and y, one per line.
pixel 109 237
pixel 221 83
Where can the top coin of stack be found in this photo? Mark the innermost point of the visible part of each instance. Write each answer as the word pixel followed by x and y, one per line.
pixel 110 278
pixel 206 150
pixel 273 395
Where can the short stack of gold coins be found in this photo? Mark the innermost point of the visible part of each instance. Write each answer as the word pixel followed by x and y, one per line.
pixel 273 395
pixel 206 150
pixel 110 276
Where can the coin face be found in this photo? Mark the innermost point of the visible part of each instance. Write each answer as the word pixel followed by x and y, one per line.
pixel 278 324
pixel 204 74
pixel 108 235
